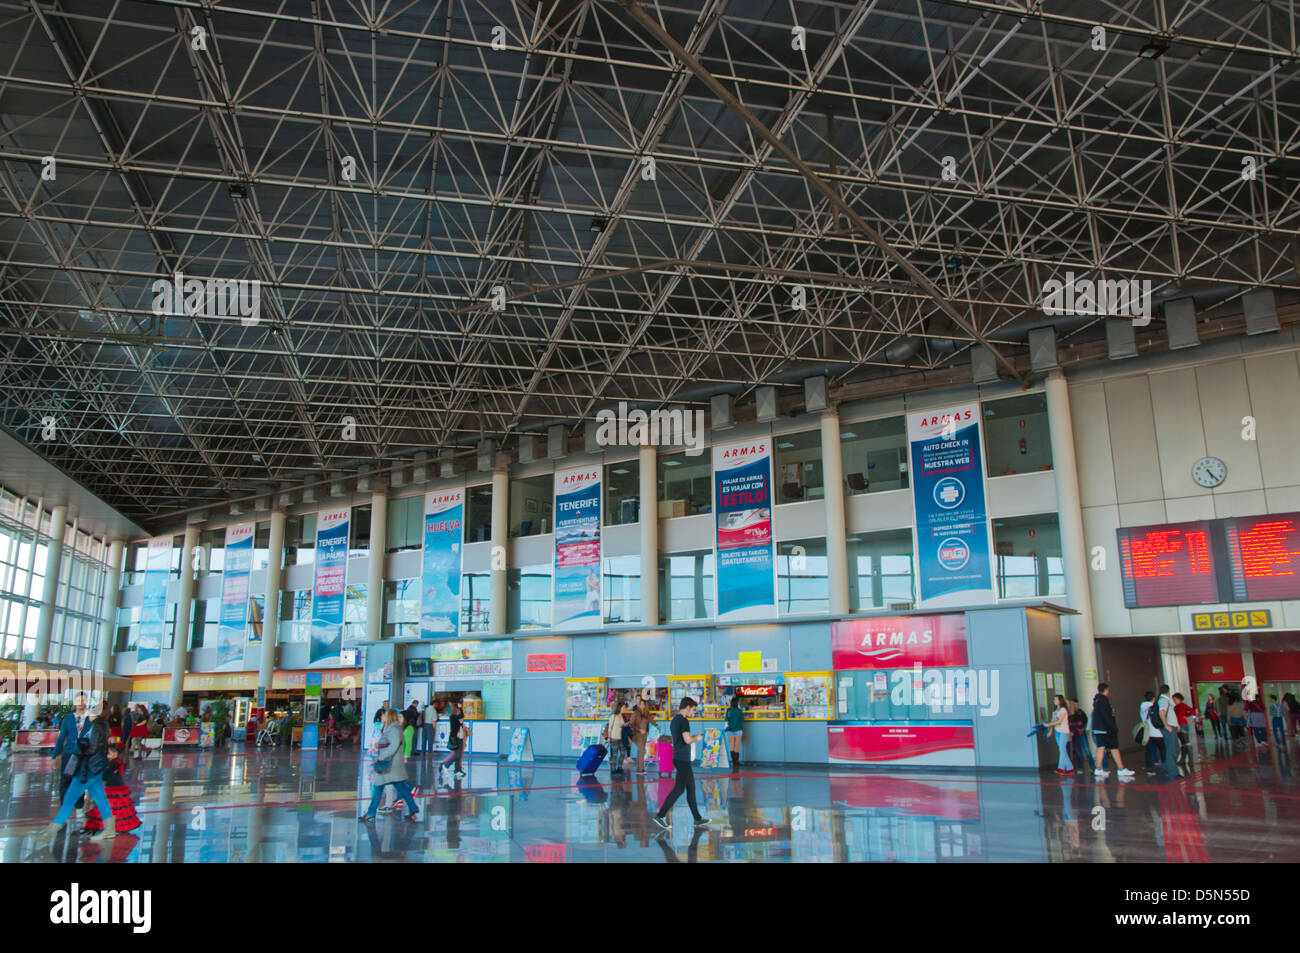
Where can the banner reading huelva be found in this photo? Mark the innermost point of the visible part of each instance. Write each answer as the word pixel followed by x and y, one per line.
pixel 742 506
pixel 234 596
pixel 953 537
pixel 576 596
pixel 440 575
pixel 328 591
pixel 153 606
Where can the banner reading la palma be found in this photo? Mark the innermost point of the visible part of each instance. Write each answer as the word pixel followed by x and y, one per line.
pixel 234 596
pixel 953 537
pixel 330 583
pixel 576 597
pixel 153 606
pixel 746 570
pixel 440 575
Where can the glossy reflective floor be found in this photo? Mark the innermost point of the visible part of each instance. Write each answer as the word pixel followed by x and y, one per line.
pixel 236 806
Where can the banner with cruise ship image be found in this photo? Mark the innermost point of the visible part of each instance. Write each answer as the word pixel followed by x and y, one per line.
pixel 742 506
pixel 576 597
pixel 440 575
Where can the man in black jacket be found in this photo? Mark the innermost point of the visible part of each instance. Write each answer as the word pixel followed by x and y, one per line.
pixel 1105 733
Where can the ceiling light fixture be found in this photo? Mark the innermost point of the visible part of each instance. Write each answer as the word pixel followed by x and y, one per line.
pixel 598 224
pixel 1153 49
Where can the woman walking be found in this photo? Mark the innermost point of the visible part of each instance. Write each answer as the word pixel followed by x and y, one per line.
pixel 616 735
pixel 456 736
pixel 641 723
pixel 119 799
pixel 735 729
pixel 1212 716
pixel 1060 723
pixel 390 769
pixel 87 769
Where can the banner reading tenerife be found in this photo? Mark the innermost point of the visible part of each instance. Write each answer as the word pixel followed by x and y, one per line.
pixel 576 599
pixel 953 537
pixel 440 577
pixel 153 606
pixel 331 576
pixel 234 596
pixel 742 488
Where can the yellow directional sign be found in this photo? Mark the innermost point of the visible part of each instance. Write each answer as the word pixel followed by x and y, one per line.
pixel 1252 619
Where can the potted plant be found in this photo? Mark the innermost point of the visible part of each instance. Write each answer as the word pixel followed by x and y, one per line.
pixel 10 721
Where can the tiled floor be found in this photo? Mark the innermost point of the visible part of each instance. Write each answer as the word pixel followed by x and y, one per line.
pixel 279 806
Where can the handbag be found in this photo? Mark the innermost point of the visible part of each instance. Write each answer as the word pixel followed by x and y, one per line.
pixel 383 767
pixel 70 769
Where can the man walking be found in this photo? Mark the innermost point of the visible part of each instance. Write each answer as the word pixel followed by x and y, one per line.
pixel 683 776
pixel 1169 717
pixel 1105 734
pixel 71 729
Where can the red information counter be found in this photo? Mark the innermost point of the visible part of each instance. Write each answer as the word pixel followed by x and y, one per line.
pixel 36 739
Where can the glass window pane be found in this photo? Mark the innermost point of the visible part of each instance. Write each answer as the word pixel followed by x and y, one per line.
pixel 685 484
pixel 528 598
pixel 686 589
pixel 531 505
pixel 798 472
pixel 874 455
pixel 622 496
pixel 478 521
pixel 1028 553
pixel 1016 438
pixel 803 583
pixel 880 569
pixel 622 577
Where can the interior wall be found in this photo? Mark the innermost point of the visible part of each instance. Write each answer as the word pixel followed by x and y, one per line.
pixel 1131 666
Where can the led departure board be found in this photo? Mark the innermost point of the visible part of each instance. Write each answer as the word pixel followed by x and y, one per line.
pixel 1264 556
pixel 1168 565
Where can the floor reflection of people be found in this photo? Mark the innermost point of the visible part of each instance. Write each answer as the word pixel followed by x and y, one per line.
pixel 692 851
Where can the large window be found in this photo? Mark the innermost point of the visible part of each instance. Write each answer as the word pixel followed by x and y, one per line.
pixel 799 467
pixel 802 582
pixel 405 524
pixel 205 620
pixel 262 546
pixel 622 576
pixel 475 602
pixel 402 608
pixel 212 542
pixel 354 613
pixel 478 513
pixel 1016 436
pixel 531 504
pixel 880 570
pixel 686 586
pixel 1028 550
pixel 300 540
pixel 528 598
pixel 622 496
pixel 685 484
pixel 874 455
pixel 298 626
pixel 359 531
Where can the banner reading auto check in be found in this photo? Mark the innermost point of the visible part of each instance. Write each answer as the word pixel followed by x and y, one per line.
pixel 234 596
pixel 328 590
pixel 576 596
pixel 742 506
pixel 440 575
pixel 953 537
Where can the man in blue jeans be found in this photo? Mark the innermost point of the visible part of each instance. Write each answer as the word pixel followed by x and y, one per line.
pixel 1170 719
pixel 70 728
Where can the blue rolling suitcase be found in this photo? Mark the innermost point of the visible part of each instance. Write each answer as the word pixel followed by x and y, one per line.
pixel 591 759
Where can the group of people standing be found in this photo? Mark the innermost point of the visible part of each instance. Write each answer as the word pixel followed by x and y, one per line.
pixel 1069 724
pixel 1233 718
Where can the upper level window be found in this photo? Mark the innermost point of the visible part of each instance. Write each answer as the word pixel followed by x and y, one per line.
pixel 1016 437
pixel 874 455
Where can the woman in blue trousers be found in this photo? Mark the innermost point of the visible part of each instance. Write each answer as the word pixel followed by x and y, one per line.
pixel 87 776
pixel 1060 724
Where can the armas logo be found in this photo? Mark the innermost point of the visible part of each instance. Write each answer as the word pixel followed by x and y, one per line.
pixel 584 477
pixel 886 645
pixel 738 453
pixel 946 420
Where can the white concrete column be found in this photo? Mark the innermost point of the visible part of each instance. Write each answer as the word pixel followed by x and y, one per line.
pixel 50 588
pixel 271 608
pixel 648 493
pixel 49 593
pixel 112 597
pixel 375 570
pixel 1074 551
pixel 184 601
pixel 500 541
pixel 837 557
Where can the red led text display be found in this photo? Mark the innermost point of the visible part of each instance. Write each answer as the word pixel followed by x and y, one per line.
pixel 1168 565
pixel 1264 555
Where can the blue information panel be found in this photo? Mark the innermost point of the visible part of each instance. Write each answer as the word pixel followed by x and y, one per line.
pixel 576 599
pixel 954 542
pixel 234 596
pixel 742 504
pixel 328 591
pixel 440 576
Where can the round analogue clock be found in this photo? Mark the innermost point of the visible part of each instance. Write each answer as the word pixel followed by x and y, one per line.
pixel 1209 471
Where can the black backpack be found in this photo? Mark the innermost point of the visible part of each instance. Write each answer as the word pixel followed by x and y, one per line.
pixel 1153 716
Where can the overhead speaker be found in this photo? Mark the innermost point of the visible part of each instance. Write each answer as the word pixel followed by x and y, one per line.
pixel 814 394
pixel 1121 341
pixel 1261 311
pixel 420 471
pixel 236 508
pixel 983 365
pixel 338 484
pixel 720 412
pixel 589 433
pixel 557 442
pixel 1042 350
pixel 364 480
pixel 765 403
pixel 486 455
pixel 309 494
pixel 529 447
pixel 446 469
pixel 1180 324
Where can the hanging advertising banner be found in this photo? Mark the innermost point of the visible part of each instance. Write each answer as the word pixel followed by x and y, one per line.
pixel 153 606
pixel 440 575
pixel 327 592
pixel 954 541
pixel 234 596
pixel 575 599
pixel 746 570
pixel 931 641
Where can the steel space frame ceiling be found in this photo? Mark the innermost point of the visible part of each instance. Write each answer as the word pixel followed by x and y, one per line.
pixel 505 145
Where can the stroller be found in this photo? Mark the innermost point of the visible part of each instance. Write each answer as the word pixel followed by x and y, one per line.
pixel 269 734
